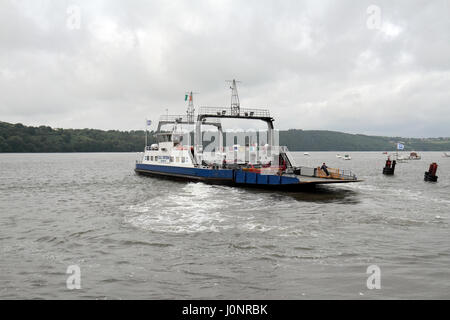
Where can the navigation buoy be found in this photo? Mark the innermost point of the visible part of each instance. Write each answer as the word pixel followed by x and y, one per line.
pixel 430 175
pixel 389 168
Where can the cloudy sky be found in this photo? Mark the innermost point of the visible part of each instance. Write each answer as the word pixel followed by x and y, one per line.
pixel 371 67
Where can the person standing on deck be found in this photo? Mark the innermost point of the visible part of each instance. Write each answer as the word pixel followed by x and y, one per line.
pixel 325 169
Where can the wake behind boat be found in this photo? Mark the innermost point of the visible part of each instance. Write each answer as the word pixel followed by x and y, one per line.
pixel 257 160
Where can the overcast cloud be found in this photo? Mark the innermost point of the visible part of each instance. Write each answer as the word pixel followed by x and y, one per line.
pixel 315 64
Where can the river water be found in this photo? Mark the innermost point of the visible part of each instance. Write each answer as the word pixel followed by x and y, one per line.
pixel 141 237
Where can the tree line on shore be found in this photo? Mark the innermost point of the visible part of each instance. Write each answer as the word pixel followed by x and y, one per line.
pixel 20 138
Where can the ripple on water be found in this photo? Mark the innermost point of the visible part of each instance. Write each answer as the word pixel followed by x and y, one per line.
pixel 182 212
pixel 199 207
pixel 136 236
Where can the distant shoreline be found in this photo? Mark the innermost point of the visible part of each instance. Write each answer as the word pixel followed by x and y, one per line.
pixel 17 138
pixel 134 152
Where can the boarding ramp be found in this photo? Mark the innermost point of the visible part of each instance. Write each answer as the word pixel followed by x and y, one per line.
pixel 339 174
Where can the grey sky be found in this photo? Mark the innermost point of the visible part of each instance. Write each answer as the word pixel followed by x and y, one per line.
pixel 315 64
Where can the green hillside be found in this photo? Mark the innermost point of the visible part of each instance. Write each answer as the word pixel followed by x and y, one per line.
pixel 20 138
pixel 321 140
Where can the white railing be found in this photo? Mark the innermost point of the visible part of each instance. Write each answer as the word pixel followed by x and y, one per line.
pixel 241 112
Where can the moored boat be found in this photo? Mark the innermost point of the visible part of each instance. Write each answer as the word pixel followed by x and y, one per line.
pixel 401 158
pixel 414 156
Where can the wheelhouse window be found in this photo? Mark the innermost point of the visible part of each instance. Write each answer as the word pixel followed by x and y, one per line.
pixel 171 159
pixel 182 159
pixel 164 137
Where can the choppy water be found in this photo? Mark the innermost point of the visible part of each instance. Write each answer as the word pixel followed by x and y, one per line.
pixel 141 237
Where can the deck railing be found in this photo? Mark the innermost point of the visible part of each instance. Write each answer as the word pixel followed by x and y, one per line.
pixel 241 112
pixel 341 174
pixel 336 174
pixel 185 119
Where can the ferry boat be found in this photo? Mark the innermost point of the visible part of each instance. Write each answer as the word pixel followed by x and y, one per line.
pixel 247 164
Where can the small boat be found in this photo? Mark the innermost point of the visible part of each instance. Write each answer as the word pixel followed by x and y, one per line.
pixel 414 156
pixel 338 156
pixel 306 154
pixel 446 155
pixel 385 152
pixel 400 158
pixel 347 157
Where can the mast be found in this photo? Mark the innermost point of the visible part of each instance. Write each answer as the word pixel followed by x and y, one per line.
pixel 190 109
pixel 147 124
pixel 400 146
pixel 235 104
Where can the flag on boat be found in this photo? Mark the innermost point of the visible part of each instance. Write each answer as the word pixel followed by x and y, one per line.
pixel 149 122
pixel 186 97
pixel 400 146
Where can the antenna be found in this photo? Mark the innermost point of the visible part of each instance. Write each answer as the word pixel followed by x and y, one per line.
pixel 190 109
pixel 235 104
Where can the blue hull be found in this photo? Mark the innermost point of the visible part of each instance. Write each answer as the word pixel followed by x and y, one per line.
pixel 222 176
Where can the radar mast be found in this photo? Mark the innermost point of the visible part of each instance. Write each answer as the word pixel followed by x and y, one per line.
pixel 235 104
